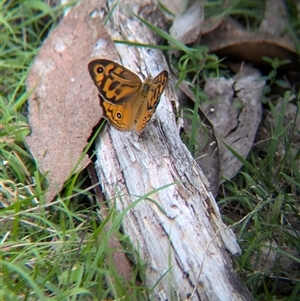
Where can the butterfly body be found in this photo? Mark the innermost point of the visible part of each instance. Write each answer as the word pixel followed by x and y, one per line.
pixel 127 102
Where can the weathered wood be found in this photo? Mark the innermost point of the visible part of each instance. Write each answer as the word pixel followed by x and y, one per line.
pixel 187 241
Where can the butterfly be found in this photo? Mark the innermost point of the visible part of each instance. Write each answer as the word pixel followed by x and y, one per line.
pixel 127 102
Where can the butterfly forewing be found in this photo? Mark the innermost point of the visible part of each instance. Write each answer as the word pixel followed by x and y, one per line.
pixel 159 83
pixel 114 82
pixel 156 87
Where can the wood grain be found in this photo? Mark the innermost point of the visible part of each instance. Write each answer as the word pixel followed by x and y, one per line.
pixel 186 241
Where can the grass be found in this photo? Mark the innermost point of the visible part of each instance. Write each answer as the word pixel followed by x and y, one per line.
pixel 47 251
pixel 59 251
pixel 265 197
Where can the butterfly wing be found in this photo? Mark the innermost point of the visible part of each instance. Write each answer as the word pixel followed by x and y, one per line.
pixel 150 95
pixel 121 116
pixel 119 92
pixel 115 83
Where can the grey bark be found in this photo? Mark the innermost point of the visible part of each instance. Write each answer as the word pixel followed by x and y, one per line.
pixel 186 241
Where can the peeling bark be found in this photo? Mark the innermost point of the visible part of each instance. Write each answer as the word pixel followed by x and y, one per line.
pixel 187 241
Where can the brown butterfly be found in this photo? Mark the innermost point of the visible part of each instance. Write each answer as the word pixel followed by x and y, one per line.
pixel 127 102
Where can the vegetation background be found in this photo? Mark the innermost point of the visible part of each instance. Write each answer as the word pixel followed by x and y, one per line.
pixel 59 250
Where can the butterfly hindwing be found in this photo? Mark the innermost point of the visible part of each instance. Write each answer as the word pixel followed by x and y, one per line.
pixel 119 115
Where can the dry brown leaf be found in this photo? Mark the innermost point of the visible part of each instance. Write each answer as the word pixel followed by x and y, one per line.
pixel 233 41
pixel 63 105
pixel 234 108
pixel 176 7
pixel 275 19
pixel 186 27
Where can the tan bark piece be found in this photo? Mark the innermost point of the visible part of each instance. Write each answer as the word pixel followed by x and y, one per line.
pixel 63 104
